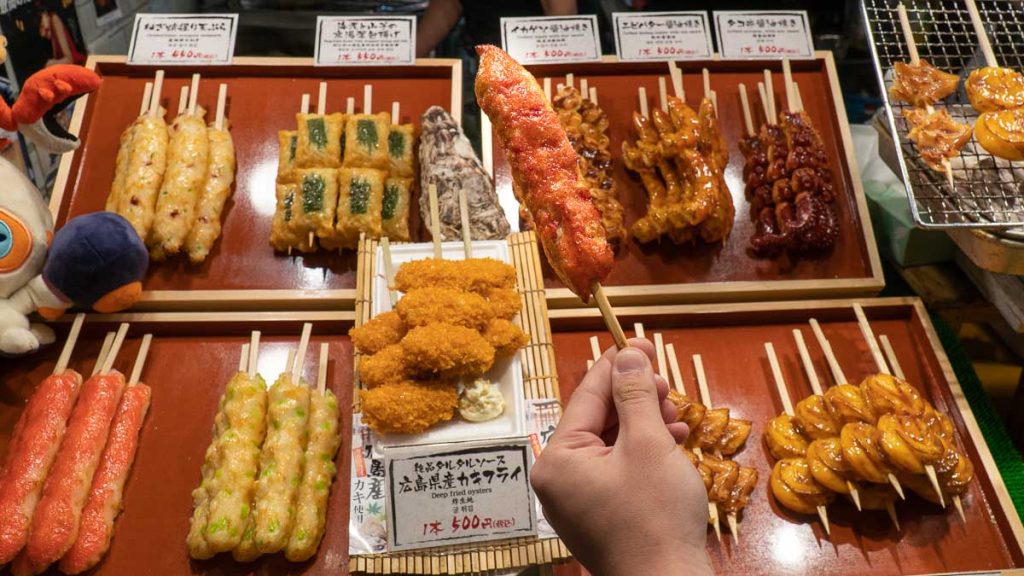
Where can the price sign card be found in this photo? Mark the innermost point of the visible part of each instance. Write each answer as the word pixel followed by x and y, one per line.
pixel 183 39
pixel 660 36
pixel 764 35
pixel 552 39
pixel 365 40
pixel 439 496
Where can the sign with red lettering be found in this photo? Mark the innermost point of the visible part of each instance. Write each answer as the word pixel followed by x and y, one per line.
pixel 551 39
pixel 183 39
pixel 365 40
pixel 662 36
pixel 764 35
pixel 471 492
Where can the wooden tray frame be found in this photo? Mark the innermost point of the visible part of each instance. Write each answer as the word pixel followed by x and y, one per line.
pixel 740 291
pixel 540 381
pixel 219 300
pixel 652 316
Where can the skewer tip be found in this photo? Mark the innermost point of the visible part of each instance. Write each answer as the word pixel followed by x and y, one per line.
pixel 897 486
pixel 823 515
pixel 734 528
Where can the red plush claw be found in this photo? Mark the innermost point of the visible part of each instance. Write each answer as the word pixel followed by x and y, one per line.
pixel 51 86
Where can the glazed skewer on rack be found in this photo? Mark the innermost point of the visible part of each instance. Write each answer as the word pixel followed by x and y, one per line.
pixel 937 136
pixel 586 126
pixel 107 493
pixel 548 179
pixel 34 445
pixel 998 93
pixel 787 177
pixel 56 521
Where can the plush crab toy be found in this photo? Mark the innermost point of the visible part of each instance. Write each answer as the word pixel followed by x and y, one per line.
pixel 95 261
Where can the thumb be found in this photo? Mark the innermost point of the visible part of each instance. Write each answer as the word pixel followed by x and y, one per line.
pixel 635 394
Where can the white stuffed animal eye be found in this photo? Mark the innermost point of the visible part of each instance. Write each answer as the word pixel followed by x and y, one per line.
pixel 15 242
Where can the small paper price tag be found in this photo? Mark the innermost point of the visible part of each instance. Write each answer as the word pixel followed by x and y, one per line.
pixel 764 35
pixel 183 39
pixel 660 36
pixel 552 39
pixel 365 40
pixel 448 495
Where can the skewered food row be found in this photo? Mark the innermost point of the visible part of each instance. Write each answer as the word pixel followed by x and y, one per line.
pixel 454 320
pixel 340 176
pixel 448 162
pixel 268 471
pixel 586 125
pixel 171 184
pixel 789 185
pixel 546 176
pixel 861 435
pixel 680 156
pixel 63 478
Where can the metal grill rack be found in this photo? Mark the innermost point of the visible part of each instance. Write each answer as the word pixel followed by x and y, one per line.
pixel 989 192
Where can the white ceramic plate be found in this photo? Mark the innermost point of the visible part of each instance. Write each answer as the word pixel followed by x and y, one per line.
pixel 507 374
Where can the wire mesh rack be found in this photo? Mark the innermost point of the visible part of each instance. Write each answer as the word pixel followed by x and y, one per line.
pixel 988 192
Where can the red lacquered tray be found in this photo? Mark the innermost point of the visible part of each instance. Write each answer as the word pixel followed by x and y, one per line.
pixel 730 339
pixel 264 94
pixel 191 358
pixel 666 273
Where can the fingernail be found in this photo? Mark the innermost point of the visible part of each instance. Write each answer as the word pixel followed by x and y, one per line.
pixel 630 360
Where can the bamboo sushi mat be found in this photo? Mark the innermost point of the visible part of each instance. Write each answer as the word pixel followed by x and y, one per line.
pixel 540 380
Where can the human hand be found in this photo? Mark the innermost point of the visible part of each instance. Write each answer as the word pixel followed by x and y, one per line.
pixel 614 483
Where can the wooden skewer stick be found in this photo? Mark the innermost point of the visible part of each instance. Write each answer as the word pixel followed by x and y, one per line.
pixel 593 95
pixel 705 398
pixel 979 29
pixel 799 97
pixel 243 358
pixel 108 362
pixel 890 355
pixel 300 356
pixel 659 350
pixel 158 86
pixel 876 353
pixel 104 350
pixel 467 233
pixel 677 80
pixel 69 344
pixel 290 362
pixel 915 59
pixel 812 376
pixel 642 94
pixel 321 99
pixel 222 100
pixel 368 99
pixel 787 76
pixel 569 80
pixel 254 353
pixel 595 348
pixel 584 87
pixel 396 112
pixel 350 105
pixel 183 100
pixel 764 104
pixel 708 92
pixel 435 221
pixel 780 384
pixel 638 328
pixel 147 93
pixel 389 269
pixel 304 107
pixel 140 360
pixel 748 120
pixel 321 377
pixel 769 87
pixel 837 371
pixel 663 93
pixel 673 364
pixel 547 89
pixel 193 95
pixel 558 88
pixel 609 315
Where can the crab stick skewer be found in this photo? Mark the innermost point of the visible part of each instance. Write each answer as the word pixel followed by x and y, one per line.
pixel 57 517
pixel 107 493
pixel 34 445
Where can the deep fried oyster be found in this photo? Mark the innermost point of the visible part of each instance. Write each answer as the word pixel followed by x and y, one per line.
pixel 505 337
pixel 424 306
pixel 447 351
pixel 505 302
pixel 478 275
pixel 384 330
pixel 383 368
pixel 408 407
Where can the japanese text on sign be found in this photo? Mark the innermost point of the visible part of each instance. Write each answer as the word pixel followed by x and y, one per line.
pixel 551 39
pixel 365 40
pixel 662 36
pixel 180 39
pixel 764 35
pixel 469 495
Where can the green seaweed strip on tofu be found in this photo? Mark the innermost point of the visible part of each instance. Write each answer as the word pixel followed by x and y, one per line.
pixel 317 132
pixel 366 134
pixel 390 202
pixel 313 193
pixel 359 200
pixel 396 144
